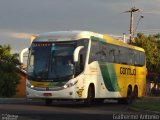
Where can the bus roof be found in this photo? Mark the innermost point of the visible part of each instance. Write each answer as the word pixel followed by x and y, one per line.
pixel 76 35
pixel 120 43
pixel 62 36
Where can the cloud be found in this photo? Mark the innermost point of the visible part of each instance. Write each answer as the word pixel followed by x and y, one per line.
pixel 17 35
pixel 20 35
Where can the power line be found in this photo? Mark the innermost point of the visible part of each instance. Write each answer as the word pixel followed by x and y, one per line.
pixel 132 3
pixel 138 22
pixel 151 12
pixel 148 30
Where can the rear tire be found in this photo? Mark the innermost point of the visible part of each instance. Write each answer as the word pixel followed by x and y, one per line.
pixel 128 99
pixel 135 93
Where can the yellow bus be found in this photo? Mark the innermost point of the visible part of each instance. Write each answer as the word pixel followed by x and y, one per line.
pixel 83 65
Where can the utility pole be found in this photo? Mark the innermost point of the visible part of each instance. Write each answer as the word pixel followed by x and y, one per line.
pixel 131 11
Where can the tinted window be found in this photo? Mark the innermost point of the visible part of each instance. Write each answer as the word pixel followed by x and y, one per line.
pixel 104 52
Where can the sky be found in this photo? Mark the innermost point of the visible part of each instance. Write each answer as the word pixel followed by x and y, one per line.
pixel 19 19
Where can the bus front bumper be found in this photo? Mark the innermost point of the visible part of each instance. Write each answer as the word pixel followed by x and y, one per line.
pixel 69 93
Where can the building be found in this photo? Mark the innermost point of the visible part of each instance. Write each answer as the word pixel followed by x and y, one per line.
pixel 21 87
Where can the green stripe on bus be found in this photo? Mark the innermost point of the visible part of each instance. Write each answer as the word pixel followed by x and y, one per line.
pixel 109 76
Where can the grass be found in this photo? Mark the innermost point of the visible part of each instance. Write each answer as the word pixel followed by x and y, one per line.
pixel 147 103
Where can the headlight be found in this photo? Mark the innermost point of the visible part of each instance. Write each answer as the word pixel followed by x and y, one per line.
pixel 29 85
pixel 67 85
pixel 32 86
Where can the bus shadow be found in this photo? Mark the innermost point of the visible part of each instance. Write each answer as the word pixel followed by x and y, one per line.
pixel 71 104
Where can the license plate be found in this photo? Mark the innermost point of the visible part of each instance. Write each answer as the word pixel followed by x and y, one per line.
pixel 47 94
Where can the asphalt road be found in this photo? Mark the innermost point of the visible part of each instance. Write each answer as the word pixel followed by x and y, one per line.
pixel 22 109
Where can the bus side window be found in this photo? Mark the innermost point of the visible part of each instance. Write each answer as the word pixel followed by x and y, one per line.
pixel 103 52
pixel 95 51
pixel 116 53
pixel 82 55
pixel 142 58
pixel 136 55
pixel 112 55
pixel 139 58
pixel 130 57
pixel 122 55
pixel 120 59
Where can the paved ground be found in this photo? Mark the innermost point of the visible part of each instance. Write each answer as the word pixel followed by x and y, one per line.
pixel 36 110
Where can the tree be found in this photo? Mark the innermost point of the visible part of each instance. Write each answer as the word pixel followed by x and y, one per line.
pixel 9 77
pixel 152 49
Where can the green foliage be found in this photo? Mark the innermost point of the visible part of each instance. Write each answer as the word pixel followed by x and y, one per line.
pixel 9 77
pixel 151 45
pixel 147 103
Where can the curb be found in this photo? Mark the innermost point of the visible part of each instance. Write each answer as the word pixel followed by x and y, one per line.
pixel 13 98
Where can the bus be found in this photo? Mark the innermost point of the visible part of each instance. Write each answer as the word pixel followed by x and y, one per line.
pixel 83 65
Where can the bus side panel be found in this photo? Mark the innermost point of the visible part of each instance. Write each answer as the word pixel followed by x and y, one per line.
pixel 91 77
pixel 109 76
pixel 109 80
pixel 98 75
pixel 133 76
pixel 141 80
pixel 118 77
pixel 126 76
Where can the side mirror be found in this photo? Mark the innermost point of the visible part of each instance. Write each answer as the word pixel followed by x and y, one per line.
pixel 76 53
pixel 21 54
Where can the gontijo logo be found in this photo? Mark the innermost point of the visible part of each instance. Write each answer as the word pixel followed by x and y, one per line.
pixel 127 71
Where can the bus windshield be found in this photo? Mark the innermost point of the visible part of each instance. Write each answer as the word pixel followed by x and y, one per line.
pixel 48 61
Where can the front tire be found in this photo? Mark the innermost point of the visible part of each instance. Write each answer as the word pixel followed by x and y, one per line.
pixel 90 97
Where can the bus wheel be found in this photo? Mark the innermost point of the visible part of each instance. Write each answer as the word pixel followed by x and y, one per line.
pixel 135 93
pixel 90 97
pixel 48 102
pixel 129 96
pixel 128 99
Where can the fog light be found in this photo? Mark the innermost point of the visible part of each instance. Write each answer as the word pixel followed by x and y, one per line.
pixel 70 93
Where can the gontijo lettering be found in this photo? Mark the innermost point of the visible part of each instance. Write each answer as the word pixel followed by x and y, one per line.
pixel 127 71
